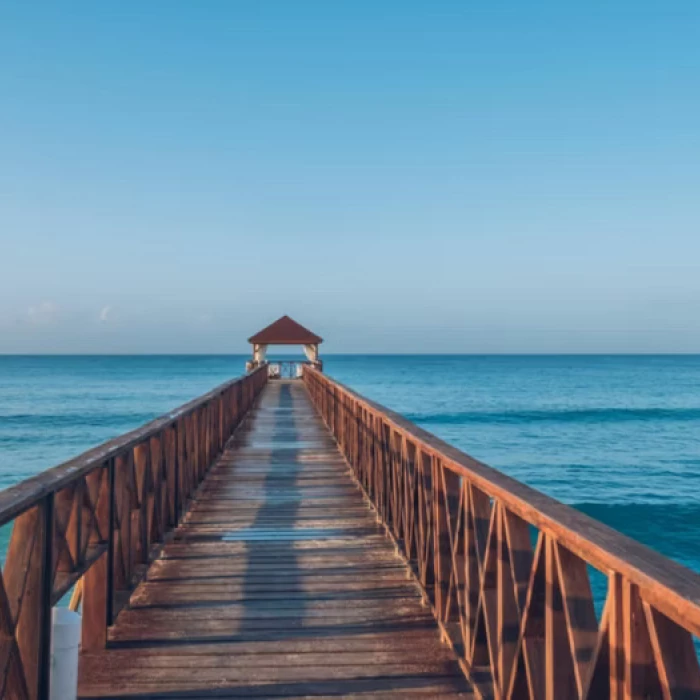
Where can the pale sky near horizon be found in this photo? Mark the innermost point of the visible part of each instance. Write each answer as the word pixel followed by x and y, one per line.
pixel 398 176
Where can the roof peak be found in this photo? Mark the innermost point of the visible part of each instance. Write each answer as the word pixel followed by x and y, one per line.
pixel 285 331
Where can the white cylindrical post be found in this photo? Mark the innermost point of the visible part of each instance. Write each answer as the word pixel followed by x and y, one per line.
pixel 65 642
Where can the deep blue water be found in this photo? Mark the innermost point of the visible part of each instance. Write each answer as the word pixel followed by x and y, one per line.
pixel 615 436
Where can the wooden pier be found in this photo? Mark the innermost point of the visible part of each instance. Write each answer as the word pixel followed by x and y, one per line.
pixel 278 583
pixel 291 538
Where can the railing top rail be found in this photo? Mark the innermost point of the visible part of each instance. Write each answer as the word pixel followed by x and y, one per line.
pixel 671 587
pixel 18 498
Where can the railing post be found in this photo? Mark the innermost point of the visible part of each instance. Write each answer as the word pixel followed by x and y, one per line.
pixel 28 585
pixel 97 581
pixel 221 423
pixel 122 508
pixel 180 432
pixel 445 505
pixel 189 456
pixel 140 514
pixel 559 673
pixel 110 543
pixel 633 674
pixel 95 605
pixel 616 637
pixel 426 493
pixel 356 437
pixel 158 487
pixel 174 474
pixel 45 622
pixel 387 474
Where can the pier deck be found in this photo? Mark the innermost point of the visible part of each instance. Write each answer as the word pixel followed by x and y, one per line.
pixel 279 583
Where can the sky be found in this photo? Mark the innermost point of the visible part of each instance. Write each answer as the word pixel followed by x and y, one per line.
pixel 398 176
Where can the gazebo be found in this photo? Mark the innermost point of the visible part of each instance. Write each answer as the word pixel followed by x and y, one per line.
pixel 284 331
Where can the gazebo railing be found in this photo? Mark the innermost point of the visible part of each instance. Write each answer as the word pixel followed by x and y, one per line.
pixel 507 570
pixel 286 369
pixel 102 517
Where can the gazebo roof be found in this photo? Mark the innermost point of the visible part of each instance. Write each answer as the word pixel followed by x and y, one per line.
pixel 285 331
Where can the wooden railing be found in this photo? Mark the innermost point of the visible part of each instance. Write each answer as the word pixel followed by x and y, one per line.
pixel 102 517
pixel 507 570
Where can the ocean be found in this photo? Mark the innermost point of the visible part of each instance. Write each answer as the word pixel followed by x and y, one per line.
pixel 616 436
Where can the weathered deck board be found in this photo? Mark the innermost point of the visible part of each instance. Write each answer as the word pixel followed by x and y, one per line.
pixel 279 583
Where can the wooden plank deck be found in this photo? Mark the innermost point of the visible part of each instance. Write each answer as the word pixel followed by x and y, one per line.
pixel 279 583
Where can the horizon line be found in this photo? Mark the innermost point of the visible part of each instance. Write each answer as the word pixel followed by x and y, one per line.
pixel 365 354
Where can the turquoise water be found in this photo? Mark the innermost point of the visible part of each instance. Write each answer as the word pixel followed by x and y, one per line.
pixel 617 437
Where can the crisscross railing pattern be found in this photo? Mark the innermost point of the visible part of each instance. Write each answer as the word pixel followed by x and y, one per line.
pixel 102 517
pixel 508 570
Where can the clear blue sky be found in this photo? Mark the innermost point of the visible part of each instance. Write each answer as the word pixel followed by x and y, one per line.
pixel 399 176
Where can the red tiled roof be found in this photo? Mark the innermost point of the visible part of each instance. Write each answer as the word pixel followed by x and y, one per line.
pixel 285 331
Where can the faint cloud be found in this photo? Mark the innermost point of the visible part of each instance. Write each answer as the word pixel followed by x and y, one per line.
pixel 42 313
pixel 206 318
pixel 105 313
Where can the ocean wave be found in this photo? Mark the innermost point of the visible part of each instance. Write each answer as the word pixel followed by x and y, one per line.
pixel 583 415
